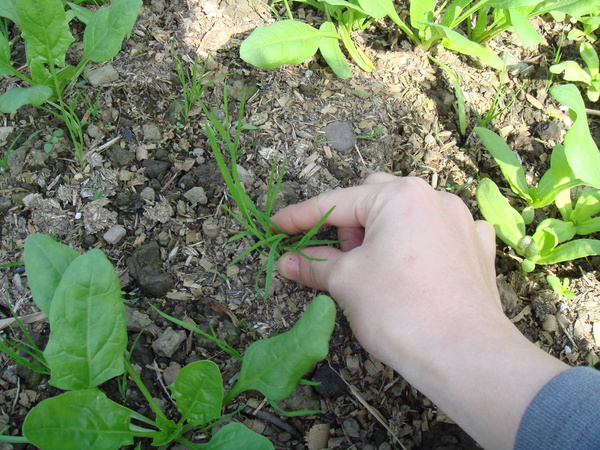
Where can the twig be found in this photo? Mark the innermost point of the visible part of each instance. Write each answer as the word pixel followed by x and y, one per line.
pixel 273 420
pixel 592 112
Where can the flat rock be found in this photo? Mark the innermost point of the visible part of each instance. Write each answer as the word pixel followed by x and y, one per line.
pixel 340 135
pixel 115 234
pixel 103 75
pixel 168 342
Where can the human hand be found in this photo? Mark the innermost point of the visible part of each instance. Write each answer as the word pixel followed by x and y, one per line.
pixel 415 277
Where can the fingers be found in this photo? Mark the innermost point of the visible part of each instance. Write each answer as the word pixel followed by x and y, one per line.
pixel 350 237
pixel 351 210
pixel 314 274
pixel 351 207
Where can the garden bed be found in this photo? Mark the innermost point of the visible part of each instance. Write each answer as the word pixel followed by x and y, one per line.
pixel 137 198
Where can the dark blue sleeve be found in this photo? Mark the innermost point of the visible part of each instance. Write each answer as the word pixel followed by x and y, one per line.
pixel 565 414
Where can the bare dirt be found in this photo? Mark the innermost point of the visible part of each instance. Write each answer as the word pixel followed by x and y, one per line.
pixel 143 163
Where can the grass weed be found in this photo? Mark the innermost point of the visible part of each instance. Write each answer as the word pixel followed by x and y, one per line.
pixel 264 235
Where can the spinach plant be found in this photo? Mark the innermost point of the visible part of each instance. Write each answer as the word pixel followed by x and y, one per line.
pixel 81 296
pixel 266 236
pixel 588 76
pixel 44 26
pixel 430 23
pixel 572 164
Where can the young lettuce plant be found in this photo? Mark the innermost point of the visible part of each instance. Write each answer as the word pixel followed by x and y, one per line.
pixel 588 76
pixel 44 26
pixel 82 297
pixel 576 163
pixel 265 235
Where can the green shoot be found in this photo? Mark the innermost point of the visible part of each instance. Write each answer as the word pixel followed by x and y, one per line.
pixel 265 236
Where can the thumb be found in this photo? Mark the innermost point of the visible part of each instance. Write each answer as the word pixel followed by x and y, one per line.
pixel 311 273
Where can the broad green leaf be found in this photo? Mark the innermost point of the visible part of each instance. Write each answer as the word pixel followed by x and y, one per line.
pixel 45 29
pixel 87 321
pixel 555 181
pixel 8 9
pixel 344 4
pixel 421 11
pixel 198 392
pixel 77 420
pixel 236 435
pixel 507 222
pixel 507 161
pixel 577 8
pixel 15 98
pixel 579 248
pixel 83 14
pixel 589 56
pixel 331 52
pixel 588 226
pixel 509 4
pixel 580 149
pixel 45 263
pixel 458 43
pixel 275 366
pixel 572 72
pixel 586 206
pixel 564 230
pixel 284 42
pixel 5 67
pixel 523 28
pixel 374 8
pixel 108 27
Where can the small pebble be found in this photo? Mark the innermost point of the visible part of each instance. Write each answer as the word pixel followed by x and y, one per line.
pixel 115 234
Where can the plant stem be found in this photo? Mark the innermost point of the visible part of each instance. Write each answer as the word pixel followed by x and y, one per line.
pixel 142 387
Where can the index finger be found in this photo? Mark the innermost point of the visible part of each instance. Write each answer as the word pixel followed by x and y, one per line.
pixel 350 210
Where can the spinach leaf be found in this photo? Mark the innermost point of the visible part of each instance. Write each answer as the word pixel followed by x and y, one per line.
pixel 580 149
pixel 236 435
pixel 507 222
pixel 198 392
pixel 274 366
pixel 45 29
pixel 284 42
pixel 88 334
pixel 107 28
pixel 45 262
pixel 75 420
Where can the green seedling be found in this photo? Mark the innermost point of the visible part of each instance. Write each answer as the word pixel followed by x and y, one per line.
pixel 460 96
pixel 92 104
pixel 265 235
pixel 560 287
pixel 575 163
pixel 44 26
pixel 588 76
pixel 52 139
pixel 371 135
pixel 81 296
pixel 192 82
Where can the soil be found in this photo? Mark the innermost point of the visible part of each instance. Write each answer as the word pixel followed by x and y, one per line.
pixel 142 165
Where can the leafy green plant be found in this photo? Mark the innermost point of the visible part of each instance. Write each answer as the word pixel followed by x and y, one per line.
pixel 576 163
pixel 82 297
pixel 52 139
pixel 560 287
pixel 192 82
pixel 588 76
pixel 265 235
pixel 430 23
pixel 44 26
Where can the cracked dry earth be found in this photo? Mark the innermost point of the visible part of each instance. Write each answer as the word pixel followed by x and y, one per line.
pixel 151 198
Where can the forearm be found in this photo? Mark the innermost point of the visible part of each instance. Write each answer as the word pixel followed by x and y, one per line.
pixel 483 377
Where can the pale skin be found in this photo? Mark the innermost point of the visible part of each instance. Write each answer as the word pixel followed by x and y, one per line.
pixel 415 276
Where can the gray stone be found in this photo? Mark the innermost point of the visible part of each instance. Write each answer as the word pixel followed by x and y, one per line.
pixel 145 266
pixel 103 75
pixel 148 194
pixel 351 427
pixel 210 228
pixel 171 372
pixel 151 132
pixel 340 135
pixel 196 195
pixel 120 157
pixel 168 342
pixel 115 234
pixel 155 169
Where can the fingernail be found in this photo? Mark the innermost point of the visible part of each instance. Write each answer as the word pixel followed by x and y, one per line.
pixel 289 266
